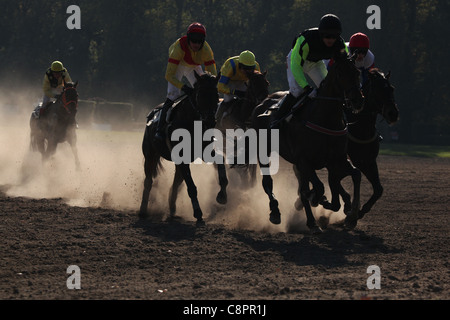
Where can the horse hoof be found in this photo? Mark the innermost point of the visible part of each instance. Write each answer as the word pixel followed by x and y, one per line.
pixel 222 198
pixel 350 224
pixel 275 217
pixel 298 204
pixel 143 214
pixel 200 223
pixel 198 214
pixel 316 230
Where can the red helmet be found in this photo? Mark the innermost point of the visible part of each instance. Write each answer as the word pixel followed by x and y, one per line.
pixel 359 40
pixel 196 28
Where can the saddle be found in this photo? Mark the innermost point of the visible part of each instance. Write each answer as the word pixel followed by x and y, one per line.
pixel 155 114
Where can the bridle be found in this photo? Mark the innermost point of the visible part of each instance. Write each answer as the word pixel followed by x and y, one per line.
pixel 66 103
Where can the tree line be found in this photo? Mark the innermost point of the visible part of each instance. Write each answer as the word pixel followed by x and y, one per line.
pixel 121 50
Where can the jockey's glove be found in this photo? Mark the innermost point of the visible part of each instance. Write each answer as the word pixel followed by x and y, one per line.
pixel 188 90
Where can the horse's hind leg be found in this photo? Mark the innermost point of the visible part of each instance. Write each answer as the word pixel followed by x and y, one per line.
pixel 177 180
pixel 267 182
pixel 192 192
pixel 222 196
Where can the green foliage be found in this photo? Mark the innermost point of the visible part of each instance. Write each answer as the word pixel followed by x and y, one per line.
pixel 121 50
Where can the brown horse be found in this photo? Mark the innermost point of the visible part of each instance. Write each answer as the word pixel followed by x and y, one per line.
pixel 57 124
pixel 198 108
pixel 316 138
pixel 236 115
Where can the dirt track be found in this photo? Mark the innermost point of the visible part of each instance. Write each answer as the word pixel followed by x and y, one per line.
pixel 122 257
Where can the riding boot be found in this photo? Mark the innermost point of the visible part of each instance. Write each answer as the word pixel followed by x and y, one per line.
pixel 285 107
pixel 159 136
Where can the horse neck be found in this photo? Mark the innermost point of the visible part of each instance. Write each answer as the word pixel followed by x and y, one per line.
pixel 328 113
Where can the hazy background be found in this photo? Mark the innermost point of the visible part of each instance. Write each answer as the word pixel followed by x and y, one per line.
pixel 121 51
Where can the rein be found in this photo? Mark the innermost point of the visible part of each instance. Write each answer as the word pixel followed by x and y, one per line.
pixel 326 131
pixel 65 103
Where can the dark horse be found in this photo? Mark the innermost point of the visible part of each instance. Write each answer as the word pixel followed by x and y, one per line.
pixel 57 124
pixel 199 107
pixel 316 138
pixel 363 137
pixel 236 114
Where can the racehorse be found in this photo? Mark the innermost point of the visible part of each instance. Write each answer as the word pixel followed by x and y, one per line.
pixel 200 106
pixel 57 124
pixel 236 114
pixel 364 139
pixel 316 138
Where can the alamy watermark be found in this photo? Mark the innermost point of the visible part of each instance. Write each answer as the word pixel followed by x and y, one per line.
pixel 74 280
pixel 258 141
pixel 374 280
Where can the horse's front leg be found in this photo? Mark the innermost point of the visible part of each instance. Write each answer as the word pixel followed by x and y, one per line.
pixel 371 172
pixel 222 197
pixel 177 180
pixel 304 176
pixel 192 192
pixel 267 182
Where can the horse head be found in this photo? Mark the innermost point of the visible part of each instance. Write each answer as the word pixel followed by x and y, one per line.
pixel 380 95
pixel 258 87
pixel 346 79
pixel 206 97
pixel 69 99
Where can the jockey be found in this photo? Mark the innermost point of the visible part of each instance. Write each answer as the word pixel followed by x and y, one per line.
pixel 233 78
pixel 53 84
pixel 309 50
pixel 365 59
pixel 234 75
pixel 186 55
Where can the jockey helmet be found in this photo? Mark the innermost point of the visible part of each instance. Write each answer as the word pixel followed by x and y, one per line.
pixel 247 58
pixel 330 25
pixel 196 28
pixel 57 66
pixel 359 40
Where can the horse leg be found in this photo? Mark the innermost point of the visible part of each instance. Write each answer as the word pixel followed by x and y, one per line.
pixel 305 176
pixel 298 203
pixel 73 144
pixel 371 172
pixel 149 169
pixel 177 180
pixel 192 192
pixel 222 197
pixel 151 163
pixel 267 182
pixel 336 174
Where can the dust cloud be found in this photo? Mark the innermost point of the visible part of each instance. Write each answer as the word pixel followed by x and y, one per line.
pixel 112 175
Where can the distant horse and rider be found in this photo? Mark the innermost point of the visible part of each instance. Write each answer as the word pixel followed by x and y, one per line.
pixel 57 124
